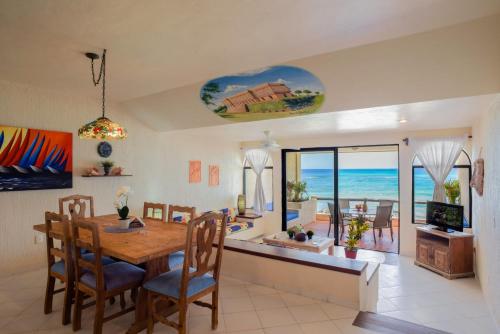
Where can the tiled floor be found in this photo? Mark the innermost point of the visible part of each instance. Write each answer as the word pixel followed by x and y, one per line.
pixel 406 292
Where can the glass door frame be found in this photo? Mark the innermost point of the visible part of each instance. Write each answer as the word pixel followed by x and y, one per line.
pixel 284 201
pixel 335 150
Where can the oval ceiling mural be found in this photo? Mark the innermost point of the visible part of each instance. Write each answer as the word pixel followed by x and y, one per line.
pixel 271 92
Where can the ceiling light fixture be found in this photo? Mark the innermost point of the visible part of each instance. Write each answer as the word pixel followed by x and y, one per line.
pixel 403 121
pixel 103 127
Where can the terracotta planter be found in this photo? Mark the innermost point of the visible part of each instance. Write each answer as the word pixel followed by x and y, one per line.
pixel 351 253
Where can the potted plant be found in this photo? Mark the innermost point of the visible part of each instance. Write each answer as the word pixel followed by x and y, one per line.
pixel 356 229
pixel 297 191
pixel 452 188
pixel 107 165
pixel 121 205
pixel 310 234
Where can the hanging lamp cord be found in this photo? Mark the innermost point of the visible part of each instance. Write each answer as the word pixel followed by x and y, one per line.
pixel 102 75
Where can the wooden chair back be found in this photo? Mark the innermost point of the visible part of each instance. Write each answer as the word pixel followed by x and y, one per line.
pixel 382 217
pixel 156 211
pixel 80 230
pixel 191 210
pixel 53 252
pixel 77 206
pixel 205 229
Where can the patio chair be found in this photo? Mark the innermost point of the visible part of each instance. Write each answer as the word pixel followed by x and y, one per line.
pixel 382 220
pixel 344 218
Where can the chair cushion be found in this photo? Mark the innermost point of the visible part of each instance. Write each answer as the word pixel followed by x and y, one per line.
pixel 175 259
pixel 169 284
pixel 58 267
pixel 116 275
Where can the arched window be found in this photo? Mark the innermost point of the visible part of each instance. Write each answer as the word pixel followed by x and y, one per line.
pixel 267 182
pixel 458 180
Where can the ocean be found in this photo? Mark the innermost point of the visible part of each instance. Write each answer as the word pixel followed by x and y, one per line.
pixel 367 183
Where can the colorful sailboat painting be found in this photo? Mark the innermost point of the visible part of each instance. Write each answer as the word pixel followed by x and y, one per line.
pixel 33 159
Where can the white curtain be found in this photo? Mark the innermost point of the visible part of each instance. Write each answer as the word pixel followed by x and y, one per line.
pixel 257 159
pixel 438 156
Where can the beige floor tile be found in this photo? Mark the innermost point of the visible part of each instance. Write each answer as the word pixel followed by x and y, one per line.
pixel 334 311
pixel 308 313
pixel 258 290
pixel 265 302
pixel 203 324
pixel 243 321
pixel 275 317
pixel 234 291
pixel 291 329
pixel 323 327
pixel 238 304
pixel 255 331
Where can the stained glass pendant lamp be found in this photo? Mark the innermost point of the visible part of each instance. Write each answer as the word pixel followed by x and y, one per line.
pixel 102 128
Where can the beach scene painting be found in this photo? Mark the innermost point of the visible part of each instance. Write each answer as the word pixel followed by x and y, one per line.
pixel 271 92
pixel 33 159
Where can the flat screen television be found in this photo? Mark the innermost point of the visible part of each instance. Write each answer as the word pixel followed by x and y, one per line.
pixel 445 216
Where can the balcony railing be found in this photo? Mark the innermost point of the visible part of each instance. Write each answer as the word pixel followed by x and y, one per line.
pixel 359 200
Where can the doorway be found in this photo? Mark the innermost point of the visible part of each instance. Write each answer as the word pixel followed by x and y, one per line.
pixel 323 187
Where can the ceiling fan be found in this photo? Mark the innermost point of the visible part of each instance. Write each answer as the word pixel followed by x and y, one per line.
pixel 269 143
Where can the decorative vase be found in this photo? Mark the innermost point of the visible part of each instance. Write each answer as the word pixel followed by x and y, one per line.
pixel 242 204
pixel 123 212
pixel 124 223
pixel 106 170
pixel 291 235
pixel 309 236
pixel 350 253
pixel 300 237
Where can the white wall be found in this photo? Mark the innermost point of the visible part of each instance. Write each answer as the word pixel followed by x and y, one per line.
pixel 486 209
pixel 158 161
pixel 406 154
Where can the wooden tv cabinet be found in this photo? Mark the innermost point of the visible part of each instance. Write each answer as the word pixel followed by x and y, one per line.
pixel 448 254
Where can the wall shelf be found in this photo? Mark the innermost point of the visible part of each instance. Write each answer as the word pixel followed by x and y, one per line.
pixel 106 175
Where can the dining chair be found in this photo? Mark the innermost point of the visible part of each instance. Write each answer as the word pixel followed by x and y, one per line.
pixel 382 220
pixel 100 282
pixel 177 259
pixel 62 269
pixel 344 219
pixel 156 211
pixel 77 206
pixel 190 283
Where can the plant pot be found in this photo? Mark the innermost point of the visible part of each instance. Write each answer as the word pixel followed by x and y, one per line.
pixel 124 223
pixel 106 170
pixel 351 253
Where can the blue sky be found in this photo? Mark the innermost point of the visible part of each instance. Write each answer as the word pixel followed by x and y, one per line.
pixel 360 160
pixel 293 77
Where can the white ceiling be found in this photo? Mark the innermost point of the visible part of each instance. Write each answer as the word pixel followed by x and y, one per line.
pixel 157 45
pixel 429 115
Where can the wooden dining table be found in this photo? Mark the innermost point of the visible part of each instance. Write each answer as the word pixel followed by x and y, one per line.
pixel 150 246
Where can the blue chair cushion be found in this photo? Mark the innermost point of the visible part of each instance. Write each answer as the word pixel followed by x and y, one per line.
pixel 169 284
pixel 58 267
pixel 116 275
pixel 175 259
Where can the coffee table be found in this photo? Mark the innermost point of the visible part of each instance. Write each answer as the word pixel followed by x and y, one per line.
pixel 316 244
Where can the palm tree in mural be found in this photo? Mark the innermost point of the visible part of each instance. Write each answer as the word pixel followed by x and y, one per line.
pixel 207 92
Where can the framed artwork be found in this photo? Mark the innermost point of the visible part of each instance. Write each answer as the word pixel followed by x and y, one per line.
pixel 213 175
pixel 271 92
pixel 32 159
pixel 194 171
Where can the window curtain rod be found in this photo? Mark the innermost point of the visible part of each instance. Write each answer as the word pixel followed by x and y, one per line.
pixel 407 140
